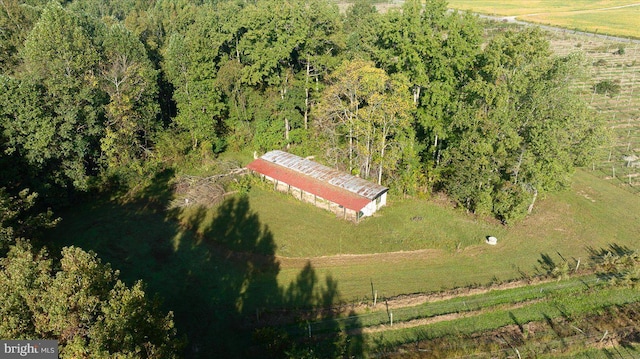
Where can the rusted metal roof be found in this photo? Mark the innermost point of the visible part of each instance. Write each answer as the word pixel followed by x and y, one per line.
pixel 339 187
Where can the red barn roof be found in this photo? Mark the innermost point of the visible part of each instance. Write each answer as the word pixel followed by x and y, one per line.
pixel 339 187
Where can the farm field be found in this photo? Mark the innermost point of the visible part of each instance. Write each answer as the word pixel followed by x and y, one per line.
pixel 266 251
pixel 604 17
pixel 521 7
pixel 617 63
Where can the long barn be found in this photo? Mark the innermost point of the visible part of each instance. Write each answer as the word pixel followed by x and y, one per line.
pixel 348 196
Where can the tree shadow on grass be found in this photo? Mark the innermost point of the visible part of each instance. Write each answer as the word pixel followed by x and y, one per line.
pixel 217 271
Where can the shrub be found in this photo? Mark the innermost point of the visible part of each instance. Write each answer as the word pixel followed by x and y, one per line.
pixel 601 62
pixel 618 264
pixel 607 87
pixel 551 268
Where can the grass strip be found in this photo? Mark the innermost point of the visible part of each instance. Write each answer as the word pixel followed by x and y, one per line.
pixel 565 305
pixel 460 304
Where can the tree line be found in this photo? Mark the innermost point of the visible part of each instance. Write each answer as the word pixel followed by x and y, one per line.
pixel 98 92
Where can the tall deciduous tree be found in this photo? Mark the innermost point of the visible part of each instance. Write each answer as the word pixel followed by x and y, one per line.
pixel 522 130
pixel 435 50
pixel 59 89
pixel 16 21
pixel 372 112
pixel 361 25
pixel 191 63
pixel 80 302
pixel 319 52
pixel 128 77
pixel 273 31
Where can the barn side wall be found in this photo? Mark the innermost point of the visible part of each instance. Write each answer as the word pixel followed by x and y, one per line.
pixel 317 201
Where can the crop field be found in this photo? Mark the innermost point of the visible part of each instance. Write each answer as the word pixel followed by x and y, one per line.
pixel 604 17
pixel 521 7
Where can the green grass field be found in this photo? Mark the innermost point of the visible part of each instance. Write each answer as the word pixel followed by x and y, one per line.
pixel 228 264
pixel 592 214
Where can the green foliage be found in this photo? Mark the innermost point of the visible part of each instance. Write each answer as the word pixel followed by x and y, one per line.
pixel 510 202
pixel 521 130
pixel 619 265
pixel 607 87
pixel 361 24
pixel 81 303
pixel 128 77
pixel 241 185
pixel 191 70
pixel 16 20
pixel 435 49
pixel 18 218
pixel 371 110
pixel 54 111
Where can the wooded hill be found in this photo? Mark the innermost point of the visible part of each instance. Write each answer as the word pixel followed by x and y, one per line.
pixel 99 94
pixel 110 97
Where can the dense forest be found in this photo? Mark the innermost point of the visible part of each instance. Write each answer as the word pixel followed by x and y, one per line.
pixel 102 95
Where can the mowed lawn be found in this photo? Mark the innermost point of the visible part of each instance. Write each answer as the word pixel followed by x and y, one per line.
pixel 412 245
pixel 584 15
pixel 448 245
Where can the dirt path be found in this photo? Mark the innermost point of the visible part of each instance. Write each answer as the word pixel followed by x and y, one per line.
pixel 355 259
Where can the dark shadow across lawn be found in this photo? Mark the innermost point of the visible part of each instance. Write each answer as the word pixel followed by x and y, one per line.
pixel 215 270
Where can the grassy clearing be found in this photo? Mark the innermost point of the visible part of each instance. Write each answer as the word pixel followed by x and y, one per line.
pixel 592 214
pixel 302 230
pixel 194 260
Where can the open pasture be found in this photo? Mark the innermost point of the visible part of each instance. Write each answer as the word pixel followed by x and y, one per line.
pixel 253 257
